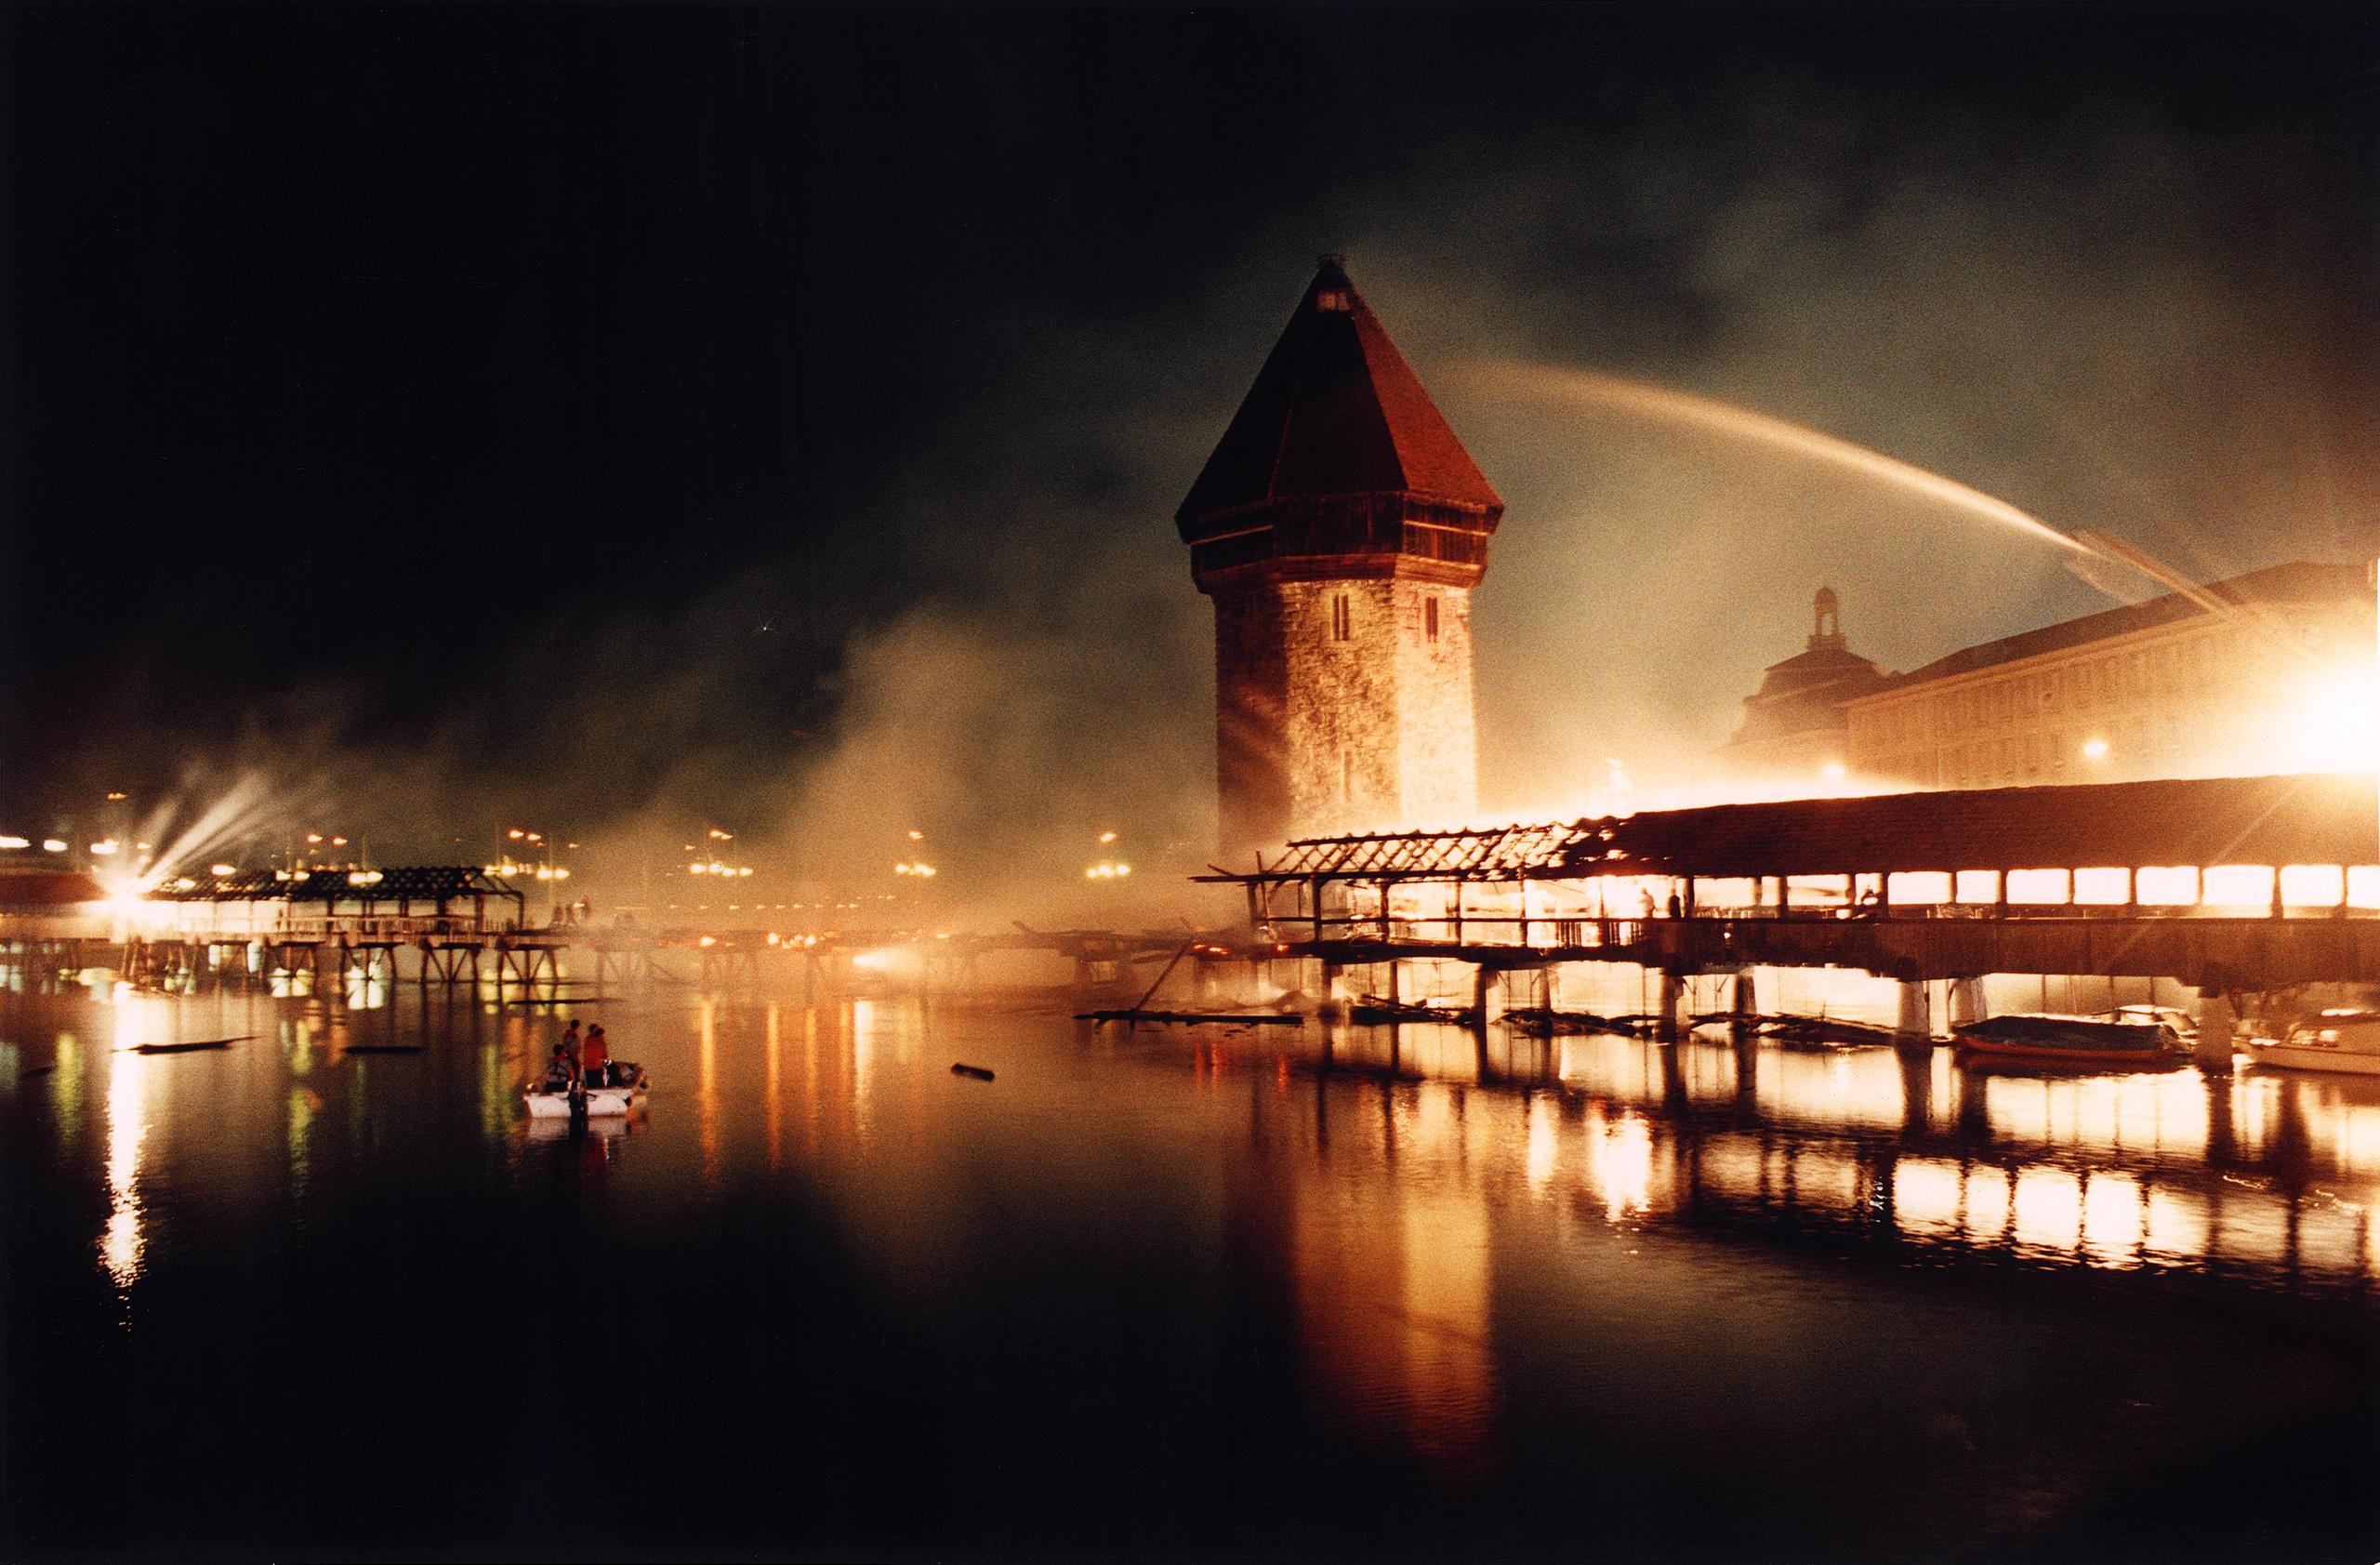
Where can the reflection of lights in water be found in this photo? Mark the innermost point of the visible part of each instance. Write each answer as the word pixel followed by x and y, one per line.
pixel 776 1095
pixel 2177 1223
pixel 1447 1368
pixel 1925 1196
pixel 706 1085
pixel 127 1127
pixel 2113 1223
pixel 1621 1154
pixel 1988 1203
pixel 304 1103
pixel 2049 1209
pixel 1543 1149
pixel 866 1019
pixel 809 1096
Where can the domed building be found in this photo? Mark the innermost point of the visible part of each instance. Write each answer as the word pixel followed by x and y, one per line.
pixel 1794 724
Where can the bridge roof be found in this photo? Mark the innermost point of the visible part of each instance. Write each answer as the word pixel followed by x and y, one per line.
pixel 2304 820
pixel 1500 852
pixel 410 882
pixel 34 889
pixel 2308 820
pixel 1336 411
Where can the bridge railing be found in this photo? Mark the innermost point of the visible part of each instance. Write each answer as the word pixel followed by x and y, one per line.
pixel 351 927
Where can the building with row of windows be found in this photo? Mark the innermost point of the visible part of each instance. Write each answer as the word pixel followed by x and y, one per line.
pixel 2271 671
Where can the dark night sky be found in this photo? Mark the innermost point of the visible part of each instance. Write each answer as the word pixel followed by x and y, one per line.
pixel 558 391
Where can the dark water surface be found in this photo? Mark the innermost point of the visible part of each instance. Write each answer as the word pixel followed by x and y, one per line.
pixel 1304 1292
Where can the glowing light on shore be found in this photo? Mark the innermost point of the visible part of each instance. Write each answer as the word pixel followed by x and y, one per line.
pixel 53 844
pixel 16 842
pixel 2334 720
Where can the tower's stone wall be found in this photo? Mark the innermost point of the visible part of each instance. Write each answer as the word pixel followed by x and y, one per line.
pixel 1337 710
pixel 1437 743
pixel 1251 699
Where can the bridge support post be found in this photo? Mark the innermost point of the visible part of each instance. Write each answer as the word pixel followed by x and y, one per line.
pixel 1966 1001
pixel 1914 1025
pixel 1489 996
pixel 1744 1005
pixel 2216 1021
pixel 1672 1021
pixel 1333 988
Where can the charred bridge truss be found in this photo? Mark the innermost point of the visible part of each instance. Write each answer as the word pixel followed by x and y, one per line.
pixel 1815 883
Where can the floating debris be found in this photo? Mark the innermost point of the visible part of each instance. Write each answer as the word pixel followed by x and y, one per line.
pixel 189 1047
pixel 1251 1018
pixel 972 1072
pixel 1372 1010
pixel 1538 1018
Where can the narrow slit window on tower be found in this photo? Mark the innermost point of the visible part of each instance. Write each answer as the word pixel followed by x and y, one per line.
pixel 1430 617
pixel 1339 624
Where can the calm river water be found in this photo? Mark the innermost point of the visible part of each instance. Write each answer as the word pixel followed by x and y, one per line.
pixel 1281 1292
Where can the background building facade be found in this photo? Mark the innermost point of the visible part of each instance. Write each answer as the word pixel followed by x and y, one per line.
pixel 2269 671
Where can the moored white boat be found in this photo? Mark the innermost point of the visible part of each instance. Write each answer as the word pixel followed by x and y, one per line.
pixel 2345 1040
pixel 612 1097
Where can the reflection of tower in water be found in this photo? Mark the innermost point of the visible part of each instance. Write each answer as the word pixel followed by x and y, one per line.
pixel 1394 1276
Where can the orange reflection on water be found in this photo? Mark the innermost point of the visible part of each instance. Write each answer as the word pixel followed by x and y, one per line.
pixel 2113 1220
pixel 1621 1153
pixel 707 1084
pixel 1545 1148
pixel 1927 1197
pixel 776 1097
pixel 120 1244
pixel 1392 1278
pixel 2049 1209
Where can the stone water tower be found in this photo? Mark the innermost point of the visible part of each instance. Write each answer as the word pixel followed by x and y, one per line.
pixel 1340 526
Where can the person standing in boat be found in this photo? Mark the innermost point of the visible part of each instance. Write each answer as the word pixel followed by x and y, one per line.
pixel 570 1047
pixel 596 1057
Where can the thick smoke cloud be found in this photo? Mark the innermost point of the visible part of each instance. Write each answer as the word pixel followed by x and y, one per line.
pixel 2107 311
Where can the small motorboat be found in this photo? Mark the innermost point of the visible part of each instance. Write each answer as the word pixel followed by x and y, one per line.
pixel 2124 1039
pixel 620 1089
pixel 2342 1039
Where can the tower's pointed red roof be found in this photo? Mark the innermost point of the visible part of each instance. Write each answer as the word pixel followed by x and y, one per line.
pixel 1336 412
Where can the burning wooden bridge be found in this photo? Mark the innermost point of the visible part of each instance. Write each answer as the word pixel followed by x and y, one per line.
pixel 2231 884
